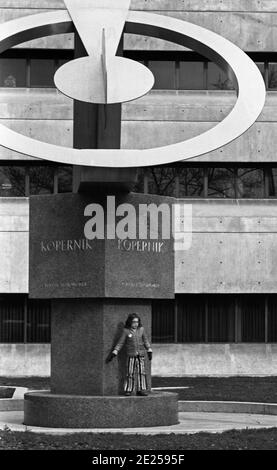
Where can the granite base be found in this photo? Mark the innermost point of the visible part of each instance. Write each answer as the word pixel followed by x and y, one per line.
pixel 45 409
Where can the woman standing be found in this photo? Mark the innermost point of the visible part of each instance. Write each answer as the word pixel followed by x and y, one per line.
pixel 136 344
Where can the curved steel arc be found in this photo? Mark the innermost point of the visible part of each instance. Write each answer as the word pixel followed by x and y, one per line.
pixel 251 91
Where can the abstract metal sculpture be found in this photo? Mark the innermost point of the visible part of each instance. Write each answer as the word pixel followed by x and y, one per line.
pixel 108 23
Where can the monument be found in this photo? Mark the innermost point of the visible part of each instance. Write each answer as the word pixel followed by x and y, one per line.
pixel 81 256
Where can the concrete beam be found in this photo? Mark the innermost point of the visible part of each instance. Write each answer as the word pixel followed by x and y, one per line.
pixel 241 21
pixel 205 5
pixel 161 5
pixel 156 119
pixel 158 105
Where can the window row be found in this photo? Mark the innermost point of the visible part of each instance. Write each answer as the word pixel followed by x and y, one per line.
pixel 191 71
pixel 180 74
pixel 215 319
pixel 181 182
pixel 210 182
pixel 24 320
pixel 186 75
pixel 190 318
pixel 28 73
pixel 202 75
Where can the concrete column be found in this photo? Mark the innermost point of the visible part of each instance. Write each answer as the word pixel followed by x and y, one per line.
pixel 84 332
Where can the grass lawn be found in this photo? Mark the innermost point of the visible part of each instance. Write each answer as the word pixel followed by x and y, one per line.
pixel 260 389
pixel 262 439
pixel 257 389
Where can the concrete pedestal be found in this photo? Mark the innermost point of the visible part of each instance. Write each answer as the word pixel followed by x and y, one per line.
pixel 86 390
pixel 66 411
pixel 94 285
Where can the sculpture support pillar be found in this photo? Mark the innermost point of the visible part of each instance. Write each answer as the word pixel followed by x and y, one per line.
pixel 98 126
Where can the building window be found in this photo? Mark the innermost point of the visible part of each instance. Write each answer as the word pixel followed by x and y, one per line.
pixel 216 318
pixel 23 181
pixel 272 319
pixel 271 181
pixel 65 179
pixel 11 319
pixel 261 67
pixel 12 181
pixel 42 73
pixel 272 76
pixel 161 181
pixel 191 76
pixel 13 73
pixel 220 319
pixel 250 183
pixel 218 79
pixel 222 182
pixel 23 320
pixel 163 321
pixel 191 319
pixel 252 319
pixel 38 321
pixel 191 182
pixel 41 180
pixel 164 73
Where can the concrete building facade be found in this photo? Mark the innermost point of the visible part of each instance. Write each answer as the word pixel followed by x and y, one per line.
pixel 223 320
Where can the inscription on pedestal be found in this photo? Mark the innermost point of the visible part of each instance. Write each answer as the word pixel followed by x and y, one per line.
pixel 68 260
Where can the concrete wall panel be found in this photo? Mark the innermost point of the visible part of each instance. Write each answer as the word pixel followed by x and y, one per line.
pixel 161 5
pixel 214 359
pixel 14 245
pixel 168 360
pixel 138 134
pixel 18 360
pixel 33 4
pixel 230 252
pixel 257 145
pixel 204 5
pixel 34 103
pixel 14 262
pixel 160 118
pixel 158 105
pixel 250 31
pixel 243 22
pixel 44 130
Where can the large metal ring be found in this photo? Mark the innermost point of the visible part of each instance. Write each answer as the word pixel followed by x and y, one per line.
pixel 250 102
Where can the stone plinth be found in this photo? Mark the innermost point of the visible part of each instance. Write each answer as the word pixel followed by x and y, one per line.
pixel 94 284
pixel 64 263
pixel 64 411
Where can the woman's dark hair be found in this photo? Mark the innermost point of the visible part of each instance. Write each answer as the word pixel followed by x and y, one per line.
pixel 130 318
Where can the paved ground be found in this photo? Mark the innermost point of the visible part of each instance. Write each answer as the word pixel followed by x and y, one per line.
pixel 190 423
